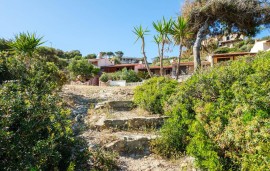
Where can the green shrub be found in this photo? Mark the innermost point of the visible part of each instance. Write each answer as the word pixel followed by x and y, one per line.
pixel 35 129
pixel 124 74
pixel 143 75
pixel 221 117
pixel 82 68
pixel 222 50
pixel 153 94
pixel 104 77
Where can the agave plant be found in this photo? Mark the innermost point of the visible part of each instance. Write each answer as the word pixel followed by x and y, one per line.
pixel 140 33
pixel 180 34
pixel 163 27
pixel 25 44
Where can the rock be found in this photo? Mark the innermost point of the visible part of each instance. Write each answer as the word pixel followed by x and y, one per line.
pixel 132 145
pixel 137 123
pixel 116 105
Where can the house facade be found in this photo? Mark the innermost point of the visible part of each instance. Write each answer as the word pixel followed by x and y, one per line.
pixel 261 46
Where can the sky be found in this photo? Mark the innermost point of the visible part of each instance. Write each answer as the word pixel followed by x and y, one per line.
pixel 90 26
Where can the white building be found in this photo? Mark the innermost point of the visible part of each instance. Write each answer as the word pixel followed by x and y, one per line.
pixel 261 46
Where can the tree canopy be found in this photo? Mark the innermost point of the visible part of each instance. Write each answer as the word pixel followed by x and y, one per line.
pixel 225 16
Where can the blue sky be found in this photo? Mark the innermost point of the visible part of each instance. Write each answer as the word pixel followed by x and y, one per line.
pixel 90 26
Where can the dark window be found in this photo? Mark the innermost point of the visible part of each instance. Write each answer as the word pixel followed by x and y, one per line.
pixel 223 59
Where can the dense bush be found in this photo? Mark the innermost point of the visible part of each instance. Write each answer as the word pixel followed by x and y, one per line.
pixel 222 116
pixel 82 68
pixel 124 74
pixel 153 93
pixel 35 129
pixel 4 71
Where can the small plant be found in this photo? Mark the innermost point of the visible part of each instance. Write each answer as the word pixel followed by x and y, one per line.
pixel 103 160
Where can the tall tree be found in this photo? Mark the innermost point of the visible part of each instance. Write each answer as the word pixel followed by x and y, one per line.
pixel 158 41
pixel 180 34
pixel 212 16
pixel 4 44
pixel 110 54
pixel 91 56
pixel 119 54
pixel 140 33
pixel 163 27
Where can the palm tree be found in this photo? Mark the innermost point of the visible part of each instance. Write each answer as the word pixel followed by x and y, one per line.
pixel 158 41
pixel 140 33
pixel 163 28
pixel 180 33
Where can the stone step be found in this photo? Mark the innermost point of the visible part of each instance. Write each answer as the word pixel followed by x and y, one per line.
pixel 116 105
pixel 132 145
pixel 135 123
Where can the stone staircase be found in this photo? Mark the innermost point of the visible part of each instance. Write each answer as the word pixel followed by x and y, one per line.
pixel 115 124
pixel 127 130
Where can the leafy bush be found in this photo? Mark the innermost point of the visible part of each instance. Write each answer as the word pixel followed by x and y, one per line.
pixel 143 75
pixel 104 77
pixel 82 68
pixel 35 129
pixel 222 50
pixel 124 74
pixel 153 94
pixel 222 116
pixel 226 50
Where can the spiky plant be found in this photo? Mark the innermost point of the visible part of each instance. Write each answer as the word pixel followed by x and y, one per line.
pixel 163 27
pixel 26 43
pixel 140 33
pixel 180 34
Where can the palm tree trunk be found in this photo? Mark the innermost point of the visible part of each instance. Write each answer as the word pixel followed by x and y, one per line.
pixel 197 46
pixel 178 62
pixel 145 59
pixel 161 58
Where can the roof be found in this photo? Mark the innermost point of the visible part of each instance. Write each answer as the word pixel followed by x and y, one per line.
pixel 232 54
pixel 120 65
pixel 191 63
pixel 93 60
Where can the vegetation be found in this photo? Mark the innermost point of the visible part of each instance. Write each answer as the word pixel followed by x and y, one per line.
pixel 153 93
pixel 180 34
pixel 83 69
pixel 140 33
pixel 163 28
pixel 35 127
pixel 211 17
pixel 124 74
pixel 221 117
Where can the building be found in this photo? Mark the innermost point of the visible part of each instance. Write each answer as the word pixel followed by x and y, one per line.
pixel 217 58
pixel 130 60
pixel 100 62
pixel 223 40
pixel 261 46
pixel 118 67
pixel 230 40
pixel 186 68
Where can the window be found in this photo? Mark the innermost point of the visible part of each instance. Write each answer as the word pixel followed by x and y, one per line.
pixel 223 59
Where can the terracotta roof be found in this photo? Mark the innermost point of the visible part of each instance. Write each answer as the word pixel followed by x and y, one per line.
pixel 191 63
pixel 233 54
pixel 120 65
pixel 93 60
